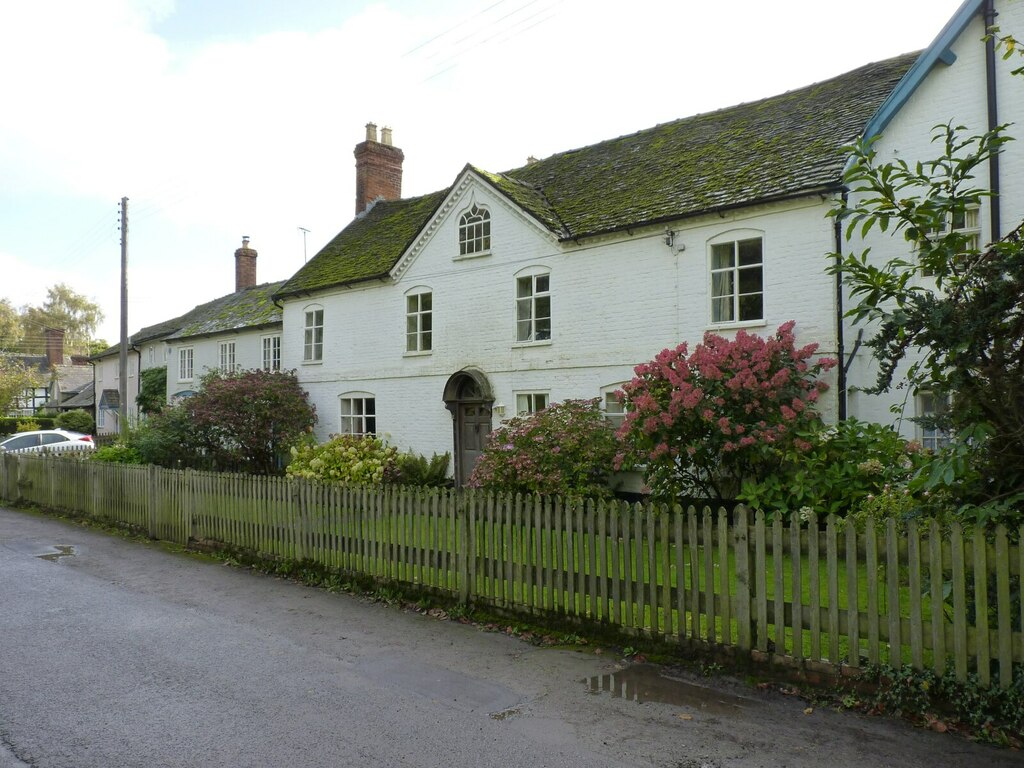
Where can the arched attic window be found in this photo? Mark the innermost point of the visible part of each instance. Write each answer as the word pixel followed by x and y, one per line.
pixel 474 231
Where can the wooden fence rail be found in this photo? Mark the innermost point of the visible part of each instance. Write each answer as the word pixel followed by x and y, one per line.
pixel 817 597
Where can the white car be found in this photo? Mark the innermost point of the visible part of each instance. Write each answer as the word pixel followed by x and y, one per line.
pixel 47 440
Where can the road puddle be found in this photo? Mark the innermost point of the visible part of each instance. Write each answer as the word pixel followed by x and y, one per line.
pixel 63 550
pixel 643 683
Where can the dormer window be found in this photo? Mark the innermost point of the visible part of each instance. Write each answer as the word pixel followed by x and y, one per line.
pixel 475 231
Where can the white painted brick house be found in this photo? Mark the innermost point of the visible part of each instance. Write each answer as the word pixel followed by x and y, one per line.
pixel 238 331
pixel 427 320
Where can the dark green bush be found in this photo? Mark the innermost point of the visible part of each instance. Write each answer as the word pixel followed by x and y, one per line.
pixel 417 470
pixel 78 420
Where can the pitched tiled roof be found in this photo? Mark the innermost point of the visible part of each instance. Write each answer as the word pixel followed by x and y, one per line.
pixel 248 308
pixel 368 247
pixel 765 150
pixel 84 398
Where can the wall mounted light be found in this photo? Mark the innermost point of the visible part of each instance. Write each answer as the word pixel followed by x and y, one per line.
pixel 498 409
pixel 670 237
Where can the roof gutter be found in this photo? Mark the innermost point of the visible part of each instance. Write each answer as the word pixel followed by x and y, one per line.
pixel 993 120
pixel 844 365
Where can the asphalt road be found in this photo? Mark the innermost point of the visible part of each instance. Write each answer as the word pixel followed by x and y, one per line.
pixel 119 653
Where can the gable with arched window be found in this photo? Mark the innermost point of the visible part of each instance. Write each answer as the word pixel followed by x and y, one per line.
pixel 475 231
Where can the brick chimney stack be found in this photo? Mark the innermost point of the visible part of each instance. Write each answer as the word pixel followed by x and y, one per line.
pixel 245 266
pixel 54 346
pixel 378 168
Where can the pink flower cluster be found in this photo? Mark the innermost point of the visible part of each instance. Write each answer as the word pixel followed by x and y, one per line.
pixel 723 403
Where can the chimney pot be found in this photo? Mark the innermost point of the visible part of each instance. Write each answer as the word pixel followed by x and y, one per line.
pixel 385 135
pixel 371 131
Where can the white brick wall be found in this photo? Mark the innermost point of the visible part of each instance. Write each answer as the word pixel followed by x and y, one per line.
pixel 206 356
pixel 956 94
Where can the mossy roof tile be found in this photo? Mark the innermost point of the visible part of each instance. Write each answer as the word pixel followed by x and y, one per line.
pixel 249 308
pixel 770 149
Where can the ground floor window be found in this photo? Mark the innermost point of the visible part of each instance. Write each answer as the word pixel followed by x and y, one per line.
pixel 358 415
pixel 530 402
pixel 932 406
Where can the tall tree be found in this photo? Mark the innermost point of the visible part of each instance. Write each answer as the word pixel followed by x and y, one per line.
pixel 10 326
pixel 15 378
pixel 63 308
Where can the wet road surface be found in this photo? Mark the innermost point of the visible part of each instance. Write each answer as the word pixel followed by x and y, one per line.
pixel 119 653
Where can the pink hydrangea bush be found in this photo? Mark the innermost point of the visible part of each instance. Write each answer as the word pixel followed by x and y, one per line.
pixel 700 423
pixel 566 449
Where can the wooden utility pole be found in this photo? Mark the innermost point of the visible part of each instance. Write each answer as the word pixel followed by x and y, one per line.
pixel 122 421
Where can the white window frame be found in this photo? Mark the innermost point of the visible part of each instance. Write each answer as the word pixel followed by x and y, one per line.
pixel 536 281
pixel 534 401
pixel 474 231
pixel 930 404
pixel 612 406
pixel 419 322
pixel 358 414
pixel 969 227
pixel 270 352
pixel 313 334
pixel 226 356
pixel 186 363
pixel 733 273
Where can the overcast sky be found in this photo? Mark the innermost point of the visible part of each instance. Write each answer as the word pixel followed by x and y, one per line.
pixel 223 118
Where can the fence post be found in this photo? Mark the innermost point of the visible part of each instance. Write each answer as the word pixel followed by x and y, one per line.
pixel 299 519
pixel 466 553
pixel 189 504
pixel 741 546
pixel 152 501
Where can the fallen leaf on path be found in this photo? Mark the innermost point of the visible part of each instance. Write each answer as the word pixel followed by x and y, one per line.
pixel 809 710
pixel 686 717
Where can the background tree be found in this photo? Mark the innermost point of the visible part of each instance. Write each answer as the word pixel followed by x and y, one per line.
pixel 63 308
pixel 15 378
pixel 10 326
pixel 701 423
pixel 960 332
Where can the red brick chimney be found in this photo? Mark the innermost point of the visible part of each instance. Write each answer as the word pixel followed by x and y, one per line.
pixel 245 266
pixel 54 346
pixel 378 168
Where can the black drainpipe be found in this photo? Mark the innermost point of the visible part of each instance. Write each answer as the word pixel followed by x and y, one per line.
pixel 993 118
pixel 840 340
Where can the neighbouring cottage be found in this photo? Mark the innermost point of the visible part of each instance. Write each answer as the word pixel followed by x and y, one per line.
pixel 428 319
pixel 64 381
pixel 241 330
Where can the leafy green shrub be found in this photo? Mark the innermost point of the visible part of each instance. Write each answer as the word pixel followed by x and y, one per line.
pixel 349 459
pixel 152 397
pixel 993 713
pixel 833 470
pixel 118 453
pixel 566 449
pixel 9 424
pixel 417 470
pixel 78 420
pixel 28 425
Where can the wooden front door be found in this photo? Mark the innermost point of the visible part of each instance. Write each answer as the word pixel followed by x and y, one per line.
pixel 468 396
pixel 473 424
